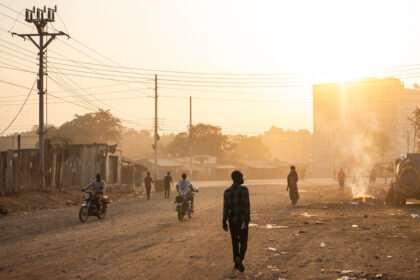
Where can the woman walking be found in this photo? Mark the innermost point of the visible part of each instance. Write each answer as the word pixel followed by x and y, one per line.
pixel 292 179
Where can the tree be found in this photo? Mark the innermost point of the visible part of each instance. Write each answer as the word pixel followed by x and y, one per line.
pixel 252 147
pixel 415 121
pixel 288 145
pixel 99 127
pixel 207 140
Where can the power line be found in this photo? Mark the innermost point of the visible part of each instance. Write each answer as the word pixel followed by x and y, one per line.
pixel 70 91
pixel 63 78
pixel 20 110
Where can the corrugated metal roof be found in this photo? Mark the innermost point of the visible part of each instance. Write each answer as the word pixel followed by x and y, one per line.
pixel 256 163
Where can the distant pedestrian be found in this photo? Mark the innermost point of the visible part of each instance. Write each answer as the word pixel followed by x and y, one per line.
pixel 341 179
pixel 292 179
pixel 386 175
pixel 372 176
pixel 236 210
pixel 148 181
pixel 168 182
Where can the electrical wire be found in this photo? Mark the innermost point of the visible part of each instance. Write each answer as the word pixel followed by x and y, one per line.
pixel 20 110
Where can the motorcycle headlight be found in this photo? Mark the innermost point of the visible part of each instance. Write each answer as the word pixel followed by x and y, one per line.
pixel 87 195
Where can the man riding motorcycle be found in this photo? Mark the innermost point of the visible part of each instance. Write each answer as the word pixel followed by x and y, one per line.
pixel 99 187
pixel 185 189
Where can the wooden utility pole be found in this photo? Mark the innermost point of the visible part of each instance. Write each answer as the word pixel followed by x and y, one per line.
pixel 415 134
pixel 190 132
pixel 156 131
pixel 40 20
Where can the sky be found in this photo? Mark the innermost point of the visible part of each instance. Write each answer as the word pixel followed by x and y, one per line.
pixel 248 65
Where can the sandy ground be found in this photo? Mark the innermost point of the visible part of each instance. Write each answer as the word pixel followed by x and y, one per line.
pixel 142 239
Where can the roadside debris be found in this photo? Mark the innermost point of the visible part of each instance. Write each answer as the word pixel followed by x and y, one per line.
pixel 271 226
pixel 415 216
pixel 252 225
pixel 354 226
pixel 307 215
pixel 273 267
pixel 272 249
pixel 323 245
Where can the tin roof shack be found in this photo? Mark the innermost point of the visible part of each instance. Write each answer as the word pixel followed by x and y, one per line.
pixel 258 169
pixel 283 168
pixel 131 172
pixel 81 163
pixel 202 166
pixel 164 165
pixel 19 169
pixel 222 172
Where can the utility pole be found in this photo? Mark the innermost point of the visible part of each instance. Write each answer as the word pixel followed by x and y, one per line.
pixel 415 134
pixel 190 132
pixel 156 131
pixel 40 23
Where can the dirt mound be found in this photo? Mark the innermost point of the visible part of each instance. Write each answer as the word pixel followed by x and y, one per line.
pixel 52 198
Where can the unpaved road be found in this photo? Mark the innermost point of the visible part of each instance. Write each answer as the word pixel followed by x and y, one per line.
pixel 143 240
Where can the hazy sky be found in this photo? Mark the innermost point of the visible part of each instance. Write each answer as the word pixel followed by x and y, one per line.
pixel 304 41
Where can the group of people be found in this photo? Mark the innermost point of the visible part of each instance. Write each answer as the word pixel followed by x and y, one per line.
pixel 183 187
pixel 236 205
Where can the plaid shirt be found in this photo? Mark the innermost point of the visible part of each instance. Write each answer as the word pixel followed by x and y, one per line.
pixel 236 205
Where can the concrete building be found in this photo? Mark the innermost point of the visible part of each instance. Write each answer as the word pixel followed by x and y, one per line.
pixel 363 117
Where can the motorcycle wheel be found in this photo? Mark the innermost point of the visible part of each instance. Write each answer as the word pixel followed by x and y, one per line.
pixel 83 214
pixel 180 216
pixel 103 214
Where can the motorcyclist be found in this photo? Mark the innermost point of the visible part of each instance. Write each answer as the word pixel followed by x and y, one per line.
pixel 185 189
pixel 99 188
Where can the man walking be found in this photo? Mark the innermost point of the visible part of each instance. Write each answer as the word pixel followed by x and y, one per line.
pixel 292 179
pixel 168 182
pixel 236 210
pixel 148 181
pixel 341 179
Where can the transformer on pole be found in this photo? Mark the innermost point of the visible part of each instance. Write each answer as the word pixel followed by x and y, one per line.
pixel 40 18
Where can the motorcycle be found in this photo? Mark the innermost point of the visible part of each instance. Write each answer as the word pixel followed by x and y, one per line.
pixel 88 207
pixel 183 205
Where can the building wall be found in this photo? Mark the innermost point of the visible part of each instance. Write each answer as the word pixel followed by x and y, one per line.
pixel 344 113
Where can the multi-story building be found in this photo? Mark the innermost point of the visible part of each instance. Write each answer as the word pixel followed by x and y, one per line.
pixel 367 119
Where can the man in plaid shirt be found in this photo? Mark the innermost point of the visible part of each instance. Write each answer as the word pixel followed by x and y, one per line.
pixel 236 209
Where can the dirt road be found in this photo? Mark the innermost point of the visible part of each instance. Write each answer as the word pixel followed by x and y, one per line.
pixel 142 239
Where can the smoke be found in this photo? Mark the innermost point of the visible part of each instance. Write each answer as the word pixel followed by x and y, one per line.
pixel 360 146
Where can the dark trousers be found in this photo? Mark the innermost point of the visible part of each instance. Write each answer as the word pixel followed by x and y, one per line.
pixel 97 199
pixel 341 183
pixel 239 240
pixel 148 189
pixel 167 191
